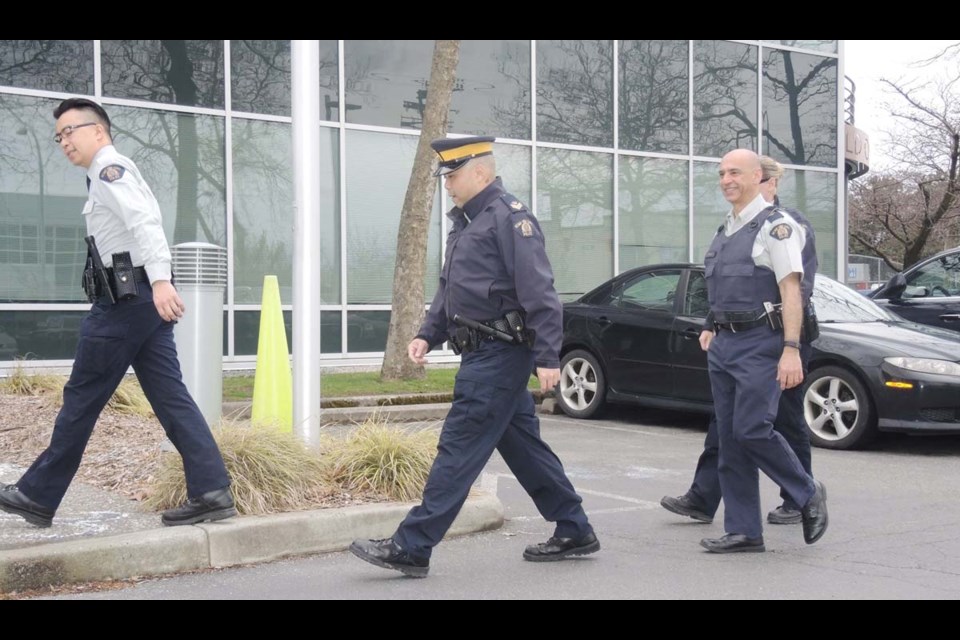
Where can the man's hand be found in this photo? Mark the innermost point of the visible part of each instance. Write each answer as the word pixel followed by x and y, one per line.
pixel 548 378
pixel 167 301
pixel 706 337
pixel 789 369
pixel 417 350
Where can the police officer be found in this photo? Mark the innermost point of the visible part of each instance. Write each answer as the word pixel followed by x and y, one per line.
pixel 755 260
pixel 123 216
pixel 495 273
pixel 702 499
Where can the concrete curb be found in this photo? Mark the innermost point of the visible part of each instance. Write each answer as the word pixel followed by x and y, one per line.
pixel 233 542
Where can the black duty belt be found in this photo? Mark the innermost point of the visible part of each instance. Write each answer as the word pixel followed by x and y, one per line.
pixel 734 327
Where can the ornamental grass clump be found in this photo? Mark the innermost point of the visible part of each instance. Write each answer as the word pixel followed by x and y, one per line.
pixel 383 460
pixel 270 471
pixel 128 399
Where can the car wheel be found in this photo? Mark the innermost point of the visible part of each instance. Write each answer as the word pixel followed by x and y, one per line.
pixel 838 409
pixel 582 387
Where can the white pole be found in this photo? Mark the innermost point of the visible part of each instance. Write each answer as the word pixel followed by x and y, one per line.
pixel 305 68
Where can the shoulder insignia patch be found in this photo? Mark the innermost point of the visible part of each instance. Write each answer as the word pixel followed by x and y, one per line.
pixel 112 173
pixel 525 227
pixel 516 206
pixel 781 231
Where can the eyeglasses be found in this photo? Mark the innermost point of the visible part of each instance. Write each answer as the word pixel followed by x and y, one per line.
pixel 68 130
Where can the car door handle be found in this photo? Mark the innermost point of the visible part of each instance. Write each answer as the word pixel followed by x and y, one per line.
pixel 604 320
pixel 950 317
pixel 691 333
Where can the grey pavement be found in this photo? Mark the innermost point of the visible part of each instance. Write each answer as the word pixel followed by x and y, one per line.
pixel 98 535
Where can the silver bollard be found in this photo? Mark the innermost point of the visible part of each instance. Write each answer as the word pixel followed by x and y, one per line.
pixel 200 275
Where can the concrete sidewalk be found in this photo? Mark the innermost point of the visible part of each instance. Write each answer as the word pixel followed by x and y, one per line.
pixel 98 535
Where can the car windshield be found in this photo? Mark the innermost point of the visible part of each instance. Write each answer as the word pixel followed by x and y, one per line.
pixel 835 302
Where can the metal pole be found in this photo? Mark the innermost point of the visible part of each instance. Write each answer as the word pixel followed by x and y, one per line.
pixel 305 67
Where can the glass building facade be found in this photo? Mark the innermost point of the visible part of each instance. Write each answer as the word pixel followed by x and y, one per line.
pixel 613 144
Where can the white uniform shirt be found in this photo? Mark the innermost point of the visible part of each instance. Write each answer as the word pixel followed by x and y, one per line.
pixel 122 214
pixel 778 248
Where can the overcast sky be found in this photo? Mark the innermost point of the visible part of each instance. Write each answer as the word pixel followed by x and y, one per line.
pixel 866 61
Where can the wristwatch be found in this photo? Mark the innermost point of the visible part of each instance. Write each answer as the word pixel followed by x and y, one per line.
pixel 792 343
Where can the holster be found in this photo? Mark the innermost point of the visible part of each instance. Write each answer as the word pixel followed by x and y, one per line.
pixel 810 330
pixel 124 277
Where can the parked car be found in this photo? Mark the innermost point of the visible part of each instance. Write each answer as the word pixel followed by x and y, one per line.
pixel 928 292
pixel 634 340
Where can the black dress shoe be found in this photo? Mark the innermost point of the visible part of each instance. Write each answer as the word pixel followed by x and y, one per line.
pixel 560 548
pixel 13 501
pixel 782 515
pixel 814 514
pixel 213 505
pixel 388 554
pixel 733 543
pixel 685 506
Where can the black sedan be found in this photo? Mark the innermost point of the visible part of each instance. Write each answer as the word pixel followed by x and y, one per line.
pixel 634 340
pixel 928 292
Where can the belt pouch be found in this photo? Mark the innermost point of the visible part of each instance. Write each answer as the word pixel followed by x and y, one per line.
pixel 124 278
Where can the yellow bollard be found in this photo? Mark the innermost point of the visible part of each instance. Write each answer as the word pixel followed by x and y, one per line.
pixel 273 382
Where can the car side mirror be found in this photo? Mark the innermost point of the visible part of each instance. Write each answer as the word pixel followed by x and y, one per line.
pixel 895 288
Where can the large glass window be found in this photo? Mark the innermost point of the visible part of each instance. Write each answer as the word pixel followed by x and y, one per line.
pixel 653 211
pixel 492 93
pixel 575 91
pixel 386 81
pixel 724 97
pixel 814 193
pixel 575 211
pixel 50 65
pixel 654 94
pixel 187 72
pixel 826 46
pixel 41 197
pixel 800 108
pixel 709 207
pixel 378 170
pixel 181 157
pixel 263 211
pixel 367 331
pixel 246 326
pixel 39 335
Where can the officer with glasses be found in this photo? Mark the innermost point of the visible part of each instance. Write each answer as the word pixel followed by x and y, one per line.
pixel 135 306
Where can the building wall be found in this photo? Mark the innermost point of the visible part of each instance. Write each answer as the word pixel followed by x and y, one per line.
pixel 613 144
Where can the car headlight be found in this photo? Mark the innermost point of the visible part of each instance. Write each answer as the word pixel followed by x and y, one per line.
pixel 924 365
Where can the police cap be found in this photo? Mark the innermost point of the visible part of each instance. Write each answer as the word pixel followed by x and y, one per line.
pixel 455 152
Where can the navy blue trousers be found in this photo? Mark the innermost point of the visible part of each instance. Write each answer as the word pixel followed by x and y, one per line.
pixel 112 339
pixel 746 394
pixel 492 409
pixel 789 423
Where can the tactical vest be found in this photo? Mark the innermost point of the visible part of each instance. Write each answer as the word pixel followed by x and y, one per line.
pixel 735 284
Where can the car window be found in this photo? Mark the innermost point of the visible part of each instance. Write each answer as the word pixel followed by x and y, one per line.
pixel 835 302
pixel 695 303
pixel 650 291
pixel 937 279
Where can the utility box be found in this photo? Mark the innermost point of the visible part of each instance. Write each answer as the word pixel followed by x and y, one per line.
pixel 200 275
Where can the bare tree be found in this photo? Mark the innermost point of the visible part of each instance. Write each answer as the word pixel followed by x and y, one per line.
pixel 898 215
pixel 408 295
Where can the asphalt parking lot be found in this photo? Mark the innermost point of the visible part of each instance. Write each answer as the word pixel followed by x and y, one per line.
pixel 893 522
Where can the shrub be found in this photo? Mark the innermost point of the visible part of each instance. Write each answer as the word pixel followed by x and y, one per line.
pixel 377 458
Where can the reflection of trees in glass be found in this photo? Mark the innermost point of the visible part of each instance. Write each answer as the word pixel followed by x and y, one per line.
pixel 175 159
pixel 653 210
pixel 575 91
pixel 495 78
pixel 724 97
pixel 654 93
pixel 187 72
pixel 260 76
pixel 799 108
pixel 52 65
pixel 827 46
